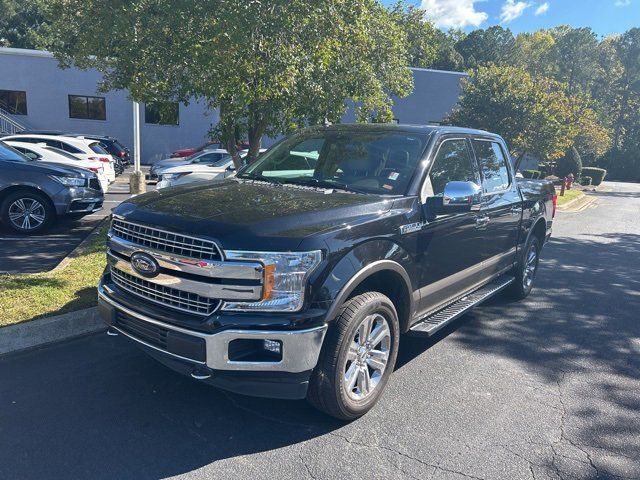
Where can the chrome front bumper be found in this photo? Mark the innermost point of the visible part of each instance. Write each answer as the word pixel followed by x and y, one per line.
pixel 300 348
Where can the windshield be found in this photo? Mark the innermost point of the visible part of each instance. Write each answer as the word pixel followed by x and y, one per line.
pixel 8 153
pixel 380 162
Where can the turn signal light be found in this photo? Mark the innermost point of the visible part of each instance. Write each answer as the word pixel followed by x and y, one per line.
pixel 269 281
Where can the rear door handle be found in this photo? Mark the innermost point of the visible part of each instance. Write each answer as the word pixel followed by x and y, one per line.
pixel 482 221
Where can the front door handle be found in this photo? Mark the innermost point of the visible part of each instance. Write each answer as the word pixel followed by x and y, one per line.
pixel 482 221
pixel 516 210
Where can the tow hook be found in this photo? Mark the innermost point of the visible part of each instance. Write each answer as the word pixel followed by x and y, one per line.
pixel 200 374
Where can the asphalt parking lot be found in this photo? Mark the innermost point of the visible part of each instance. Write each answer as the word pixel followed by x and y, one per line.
pixel 544 388
pixel 40 253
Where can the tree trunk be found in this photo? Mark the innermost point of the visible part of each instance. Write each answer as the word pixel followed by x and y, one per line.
pixel 229 138
pixel 256 131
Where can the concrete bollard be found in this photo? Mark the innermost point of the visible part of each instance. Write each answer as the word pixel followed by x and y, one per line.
pixel 137 183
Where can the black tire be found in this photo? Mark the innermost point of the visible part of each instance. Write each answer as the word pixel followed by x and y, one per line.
pixel 521 287
pixel 27 197
pixel 327 390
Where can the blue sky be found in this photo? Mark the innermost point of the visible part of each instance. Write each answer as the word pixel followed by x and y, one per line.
pixel 603 16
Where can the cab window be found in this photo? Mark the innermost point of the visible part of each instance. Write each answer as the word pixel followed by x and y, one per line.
pixel 453 162
pixel 493 165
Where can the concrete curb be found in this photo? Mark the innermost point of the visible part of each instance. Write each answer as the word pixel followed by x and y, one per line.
pixel 570 204
pixel 76 252
pixel 44 331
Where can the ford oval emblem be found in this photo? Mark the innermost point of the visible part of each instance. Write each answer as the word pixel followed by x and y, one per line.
pixel 145 264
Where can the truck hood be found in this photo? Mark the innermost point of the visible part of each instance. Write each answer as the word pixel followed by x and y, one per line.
pixel 242 214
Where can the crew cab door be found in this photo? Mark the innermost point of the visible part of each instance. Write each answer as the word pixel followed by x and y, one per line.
pixel 449 252
pixel 501 208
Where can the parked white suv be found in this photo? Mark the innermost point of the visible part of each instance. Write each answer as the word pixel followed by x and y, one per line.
pixel 44 153
pixel 78 146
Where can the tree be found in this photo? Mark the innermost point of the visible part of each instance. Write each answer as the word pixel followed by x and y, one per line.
pixel 628 85
pixel 19 20
pixel 532 114
pixel 493 45
pixel 577 57
pixel 269 66
pixel 570 162
pixel 536 52
pixel 447 57
pixel 421 34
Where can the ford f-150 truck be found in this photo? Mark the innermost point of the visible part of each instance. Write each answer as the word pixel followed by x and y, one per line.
pixel 297 277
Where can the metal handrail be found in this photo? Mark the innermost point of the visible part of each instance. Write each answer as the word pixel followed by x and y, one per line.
pixel 8 124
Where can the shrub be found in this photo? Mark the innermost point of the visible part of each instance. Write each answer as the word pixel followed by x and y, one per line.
pixel 585 181
pixel 569 163
pixel 532 174
pixel 597 174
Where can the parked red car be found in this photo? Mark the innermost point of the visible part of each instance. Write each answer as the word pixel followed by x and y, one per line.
pixel 185 152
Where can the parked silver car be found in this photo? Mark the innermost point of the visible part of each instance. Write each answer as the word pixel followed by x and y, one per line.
pixel 34 194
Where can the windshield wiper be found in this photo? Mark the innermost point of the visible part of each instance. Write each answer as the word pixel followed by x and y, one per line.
pixel 315 182
pixel 259 176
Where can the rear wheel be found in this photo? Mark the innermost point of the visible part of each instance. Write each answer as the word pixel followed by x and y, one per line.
pixel 27 212
pixel 526 270
pixel 357 358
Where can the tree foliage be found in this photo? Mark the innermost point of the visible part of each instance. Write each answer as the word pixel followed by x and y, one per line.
pixel 532 115
pixel 569 163
pixel 269 66
pixel 19 21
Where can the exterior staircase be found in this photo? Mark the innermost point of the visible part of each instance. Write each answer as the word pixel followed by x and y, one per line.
pixel 9 125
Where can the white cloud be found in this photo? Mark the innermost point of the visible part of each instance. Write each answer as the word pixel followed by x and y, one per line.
pixel 542 8
pixel 512 10
pixel 622 3
pixel 453 13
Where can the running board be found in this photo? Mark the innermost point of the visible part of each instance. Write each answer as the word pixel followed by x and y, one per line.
pixel 434 322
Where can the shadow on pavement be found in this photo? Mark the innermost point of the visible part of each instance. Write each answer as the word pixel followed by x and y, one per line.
pixel 98 408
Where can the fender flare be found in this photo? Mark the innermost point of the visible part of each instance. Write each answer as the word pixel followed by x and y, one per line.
pixel 364 273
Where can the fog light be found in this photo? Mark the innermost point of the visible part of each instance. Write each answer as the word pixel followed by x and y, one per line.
pixel 274 346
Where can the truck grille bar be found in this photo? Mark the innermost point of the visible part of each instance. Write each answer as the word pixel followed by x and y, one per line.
pixel 178 299
pixel 165 241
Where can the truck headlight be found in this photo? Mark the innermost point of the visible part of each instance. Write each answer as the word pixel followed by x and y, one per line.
pixel 285 277
pixel 70 181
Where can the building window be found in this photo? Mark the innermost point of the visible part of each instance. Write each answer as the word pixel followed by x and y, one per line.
pixel 13 101
pixel 91 108
pixel 162 113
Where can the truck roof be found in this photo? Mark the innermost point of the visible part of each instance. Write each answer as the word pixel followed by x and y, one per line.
pixel 422 129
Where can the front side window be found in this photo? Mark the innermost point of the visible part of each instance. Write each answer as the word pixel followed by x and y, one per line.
pixel 162 113
pixel 493 165
pixel 89 108
pixel 208 158
pixel 453 162
pixel 13 101
pixel 377 161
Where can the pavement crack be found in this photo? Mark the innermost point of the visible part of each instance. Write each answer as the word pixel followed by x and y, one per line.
pixel 306 465
pixel 406 455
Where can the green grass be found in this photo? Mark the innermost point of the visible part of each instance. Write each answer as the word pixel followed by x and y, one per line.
pixel 26 297
pixel 568 196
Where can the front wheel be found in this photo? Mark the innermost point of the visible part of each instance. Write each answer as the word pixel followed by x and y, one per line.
pixel 27 212
pixel 357 358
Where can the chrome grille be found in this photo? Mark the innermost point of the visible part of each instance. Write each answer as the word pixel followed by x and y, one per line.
pixel 165 241
pixel 178 299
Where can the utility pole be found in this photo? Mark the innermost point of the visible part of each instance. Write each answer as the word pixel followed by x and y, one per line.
pixel 137 182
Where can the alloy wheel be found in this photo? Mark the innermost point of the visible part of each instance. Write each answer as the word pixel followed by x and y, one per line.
pixel 27 213
pixel 530 266
pixel 367 357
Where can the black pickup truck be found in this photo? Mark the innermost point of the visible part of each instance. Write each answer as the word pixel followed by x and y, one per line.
pixel 297 277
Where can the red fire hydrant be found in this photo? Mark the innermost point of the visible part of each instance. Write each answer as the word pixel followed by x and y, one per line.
pixel 569 179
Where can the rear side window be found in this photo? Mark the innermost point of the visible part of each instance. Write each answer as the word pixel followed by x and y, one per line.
pixel 97 148
pixel 64 146
pixel 61 152
pixel 452 163
pixel 209 158
pixel 493 165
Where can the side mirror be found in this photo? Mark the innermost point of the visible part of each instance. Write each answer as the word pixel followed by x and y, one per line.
pixel 460 196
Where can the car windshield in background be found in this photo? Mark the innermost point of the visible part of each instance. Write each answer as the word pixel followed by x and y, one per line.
pixel 380 162
pixel 8 153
